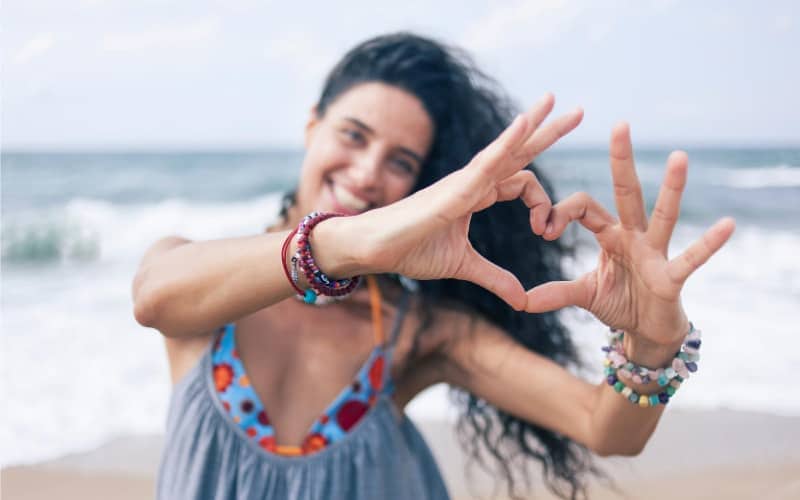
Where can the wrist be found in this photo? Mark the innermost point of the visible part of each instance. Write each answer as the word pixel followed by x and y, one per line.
pixel 336 249
pixel 646 353
pixel 646 372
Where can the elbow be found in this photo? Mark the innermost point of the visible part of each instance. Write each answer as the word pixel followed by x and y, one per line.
pixel 144 313
pixel 144 301
pixel 619 450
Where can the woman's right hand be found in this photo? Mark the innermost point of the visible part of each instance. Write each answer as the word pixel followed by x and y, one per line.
pixel 424 236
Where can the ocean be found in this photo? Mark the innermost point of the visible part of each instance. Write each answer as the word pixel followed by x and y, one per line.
pixel 77 369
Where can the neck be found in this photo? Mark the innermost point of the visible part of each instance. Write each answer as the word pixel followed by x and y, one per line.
pixel 293 217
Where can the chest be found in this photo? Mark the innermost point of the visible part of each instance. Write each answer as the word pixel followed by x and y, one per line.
pixel 299 359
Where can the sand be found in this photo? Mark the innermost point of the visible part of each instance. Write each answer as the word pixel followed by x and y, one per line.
pixel 693 455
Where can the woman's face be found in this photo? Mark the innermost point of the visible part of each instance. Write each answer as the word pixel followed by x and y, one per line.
pixel 365 152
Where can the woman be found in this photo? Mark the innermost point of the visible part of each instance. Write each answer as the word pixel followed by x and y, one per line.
pixel 412 143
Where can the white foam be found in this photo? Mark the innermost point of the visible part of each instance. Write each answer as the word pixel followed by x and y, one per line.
pixel 78 368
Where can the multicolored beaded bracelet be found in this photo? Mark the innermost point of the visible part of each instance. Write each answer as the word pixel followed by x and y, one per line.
pixel 644 400
pixel 670 378
pixel 684 363
pixel 319 282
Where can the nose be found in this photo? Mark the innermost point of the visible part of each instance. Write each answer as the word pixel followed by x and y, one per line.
pixel 365 171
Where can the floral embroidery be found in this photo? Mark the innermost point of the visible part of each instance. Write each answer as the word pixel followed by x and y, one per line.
pixel 247 412
pixel 223 376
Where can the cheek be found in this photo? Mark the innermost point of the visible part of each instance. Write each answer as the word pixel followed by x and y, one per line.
pixel 399 188
pixel 320 159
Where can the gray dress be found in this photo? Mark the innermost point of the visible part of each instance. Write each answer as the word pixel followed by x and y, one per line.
pixel 207 456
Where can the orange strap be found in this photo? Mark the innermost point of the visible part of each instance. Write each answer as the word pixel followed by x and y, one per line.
pixel 375 300
pixel 288 451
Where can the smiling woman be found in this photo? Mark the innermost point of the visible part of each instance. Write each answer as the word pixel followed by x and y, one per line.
pixel 364 150
pixel 449 224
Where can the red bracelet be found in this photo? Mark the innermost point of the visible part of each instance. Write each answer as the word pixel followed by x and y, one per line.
pixel 319 283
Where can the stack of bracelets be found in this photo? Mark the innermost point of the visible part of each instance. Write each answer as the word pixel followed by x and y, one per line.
pixel 669 379
pixel 319 283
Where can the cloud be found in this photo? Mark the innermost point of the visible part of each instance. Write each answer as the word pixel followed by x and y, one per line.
pixel 783 23
pixel 301 51
pixel 187 35
pixel 522 23
pixel 34 48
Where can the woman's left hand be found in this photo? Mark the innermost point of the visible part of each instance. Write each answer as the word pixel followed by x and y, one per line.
pixel 635 287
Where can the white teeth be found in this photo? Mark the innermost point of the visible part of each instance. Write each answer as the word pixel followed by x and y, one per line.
pixel 347 200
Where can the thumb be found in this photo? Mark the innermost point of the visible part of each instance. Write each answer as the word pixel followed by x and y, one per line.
pixel 555 295
pixel 479 270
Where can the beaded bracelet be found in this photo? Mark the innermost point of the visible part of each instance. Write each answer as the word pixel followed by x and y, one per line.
pixel 644 400
pixel 670 378
pixel 319 282
pixel 321 300
pixel 684 363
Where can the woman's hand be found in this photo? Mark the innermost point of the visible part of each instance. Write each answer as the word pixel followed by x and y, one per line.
pixel 424 236
pixel 635 287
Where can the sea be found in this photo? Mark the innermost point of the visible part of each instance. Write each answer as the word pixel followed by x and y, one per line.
pixel 78 370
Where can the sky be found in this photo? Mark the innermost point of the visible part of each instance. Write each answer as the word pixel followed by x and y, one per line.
pixel 218 74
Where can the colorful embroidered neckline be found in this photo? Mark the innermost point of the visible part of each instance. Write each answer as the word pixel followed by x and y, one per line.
pixel 242 404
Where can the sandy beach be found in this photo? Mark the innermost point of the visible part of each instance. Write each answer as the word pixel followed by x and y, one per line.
pixel 693 454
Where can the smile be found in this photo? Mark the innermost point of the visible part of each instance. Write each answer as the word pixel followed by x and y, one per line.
pixel 344 201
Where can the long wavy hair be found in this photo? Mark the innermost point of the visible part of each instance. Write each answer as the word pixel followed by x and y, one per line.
pixel 469 111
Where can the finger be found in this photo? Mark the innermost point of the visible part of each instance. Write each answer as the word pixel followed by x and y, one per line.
pixel 555 295
pixel 546 136
pixel 668 205
pixel 526 186
pixel 578 207
pixel 539 111
pixel 682 266
pixel 501 282
pixel 510 139
pixel 501 158
pixel 627 190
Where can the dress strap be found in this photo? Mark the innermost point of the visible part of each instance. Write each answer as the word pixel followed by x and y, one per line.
pixel 375 301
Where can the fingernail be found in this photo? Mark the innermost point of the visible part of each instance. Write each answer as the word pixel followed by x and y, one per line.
pixel 549 228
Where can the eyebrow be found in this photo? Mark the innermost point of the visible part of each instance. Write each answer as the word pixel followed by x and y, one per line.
pixel 358 123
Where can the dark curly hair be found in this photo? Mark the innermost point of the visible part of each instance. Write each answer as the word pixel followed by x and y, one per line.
pixel 469 111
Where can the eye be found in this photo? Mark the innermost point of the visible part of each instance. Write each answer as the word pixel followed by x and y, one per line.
pixel 353 135
pixel 404 165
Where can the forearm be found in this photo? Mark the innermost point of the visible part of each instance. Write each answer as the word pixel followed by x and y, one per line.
pixel 623 428
pixel 196 287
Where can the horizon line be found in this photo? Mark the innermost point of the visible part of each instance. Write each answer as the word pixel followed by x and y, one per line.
pixel 284 148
